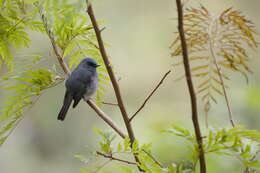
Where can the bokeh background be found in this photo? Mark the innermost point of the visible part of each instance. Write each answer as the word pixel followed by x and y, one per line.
pixel 139 34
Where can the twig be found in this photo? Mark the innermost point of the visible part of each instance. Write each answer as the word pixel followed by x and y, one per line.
pixel 112 78
pixel 66 70
pixel 102 29
pixel 191 87
pixel 114 158
pixel 111 104
pixel 150 95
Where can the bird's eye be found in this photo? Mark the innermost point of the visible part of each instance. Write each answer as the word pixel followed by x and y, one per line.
pixel 91 64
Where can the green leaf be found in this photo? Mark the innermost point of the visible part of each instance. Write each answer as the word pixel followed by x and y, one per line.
pixel 171 169
pixel 124 168
pixel 84 170
pixel 253 164
pixel 127 144
pixel 82 158
pixel 135 147
pixel 119 147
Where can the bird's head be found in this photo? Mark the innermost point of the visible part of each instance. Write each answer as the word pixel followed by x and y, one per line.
pixel 89 63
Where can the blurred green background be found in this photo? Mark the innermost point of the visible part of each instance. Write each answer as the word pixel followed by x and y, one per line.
pixel 139 34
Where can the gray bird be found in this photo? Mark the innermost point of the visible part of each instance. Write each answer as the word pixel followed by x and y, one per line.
pixel 82 83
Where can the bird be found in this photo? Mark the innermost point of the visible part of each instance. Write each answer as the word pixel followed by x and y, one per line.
pixel 82 83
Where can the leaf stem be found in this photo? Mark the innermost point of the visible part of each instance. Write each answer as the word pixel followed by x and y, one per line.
pixel 211 45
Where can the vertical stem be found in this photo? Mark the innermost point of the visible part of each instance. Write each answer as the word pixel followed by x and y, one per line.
pixel 112 77
pixel 191 87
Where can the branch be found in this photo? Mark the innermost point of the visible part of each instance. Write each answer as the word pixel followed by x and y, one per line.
pixel 111 104
pixel 63 65
pixel 112 78
pixel 67 71
pixel 106 118
pixel 150 95
pixel 191 87
pixel 111 73
pixel 116 159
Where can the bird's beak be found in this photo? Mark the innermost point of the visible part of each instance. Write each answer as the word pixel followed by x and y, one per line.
pixel 97 65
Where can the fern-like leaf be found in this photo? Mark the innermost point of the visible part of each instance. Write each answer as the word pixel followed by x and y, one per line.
pixel 217 44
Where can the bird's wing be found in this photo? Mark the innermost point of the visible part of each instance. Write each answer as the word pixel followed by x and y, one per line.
pixel 78 83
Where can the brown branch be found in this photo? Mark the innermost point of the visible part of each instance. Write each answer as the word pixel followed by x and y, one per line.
pixel 150 95
pixel 106 118
pixel 116 159
pixel 67 71
pixel 111 104
pixel 63 65
pixel 112 78
pixel 191 87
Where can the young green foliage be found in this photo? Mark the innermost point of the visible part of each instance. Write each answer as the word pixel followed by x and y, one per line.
pixel 15 18
pixel 24 89
pixel 113 152
pixel 237 142
pixel 217 44
pixel 69 27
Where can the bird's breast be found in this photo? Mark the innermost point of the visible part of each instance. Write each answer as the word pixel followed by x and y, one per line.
pixel 91 87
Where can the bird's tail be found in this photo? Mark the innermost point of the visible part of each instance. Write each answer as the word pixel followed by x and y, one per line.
pixel 66 104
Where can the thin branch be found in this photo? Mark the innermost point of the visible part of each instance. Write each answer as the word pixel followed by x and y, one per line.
pixel 191 87
pixel 106 118
pixel 111 104
pixel 63 65
pixel 150 95
pixel 116 159
pixel 67 71
pixel 112 78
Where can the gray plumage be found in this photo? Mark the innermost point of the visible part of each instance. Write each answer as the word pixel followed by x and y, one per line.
pixel 82 83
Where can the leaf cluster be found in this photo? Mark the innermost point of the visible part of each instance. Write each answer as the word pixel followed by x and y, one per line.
pixel 236 142
pixel 216 44
pixel 22 91
pixel 15 18
pixel 123 150
pixel 69 27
